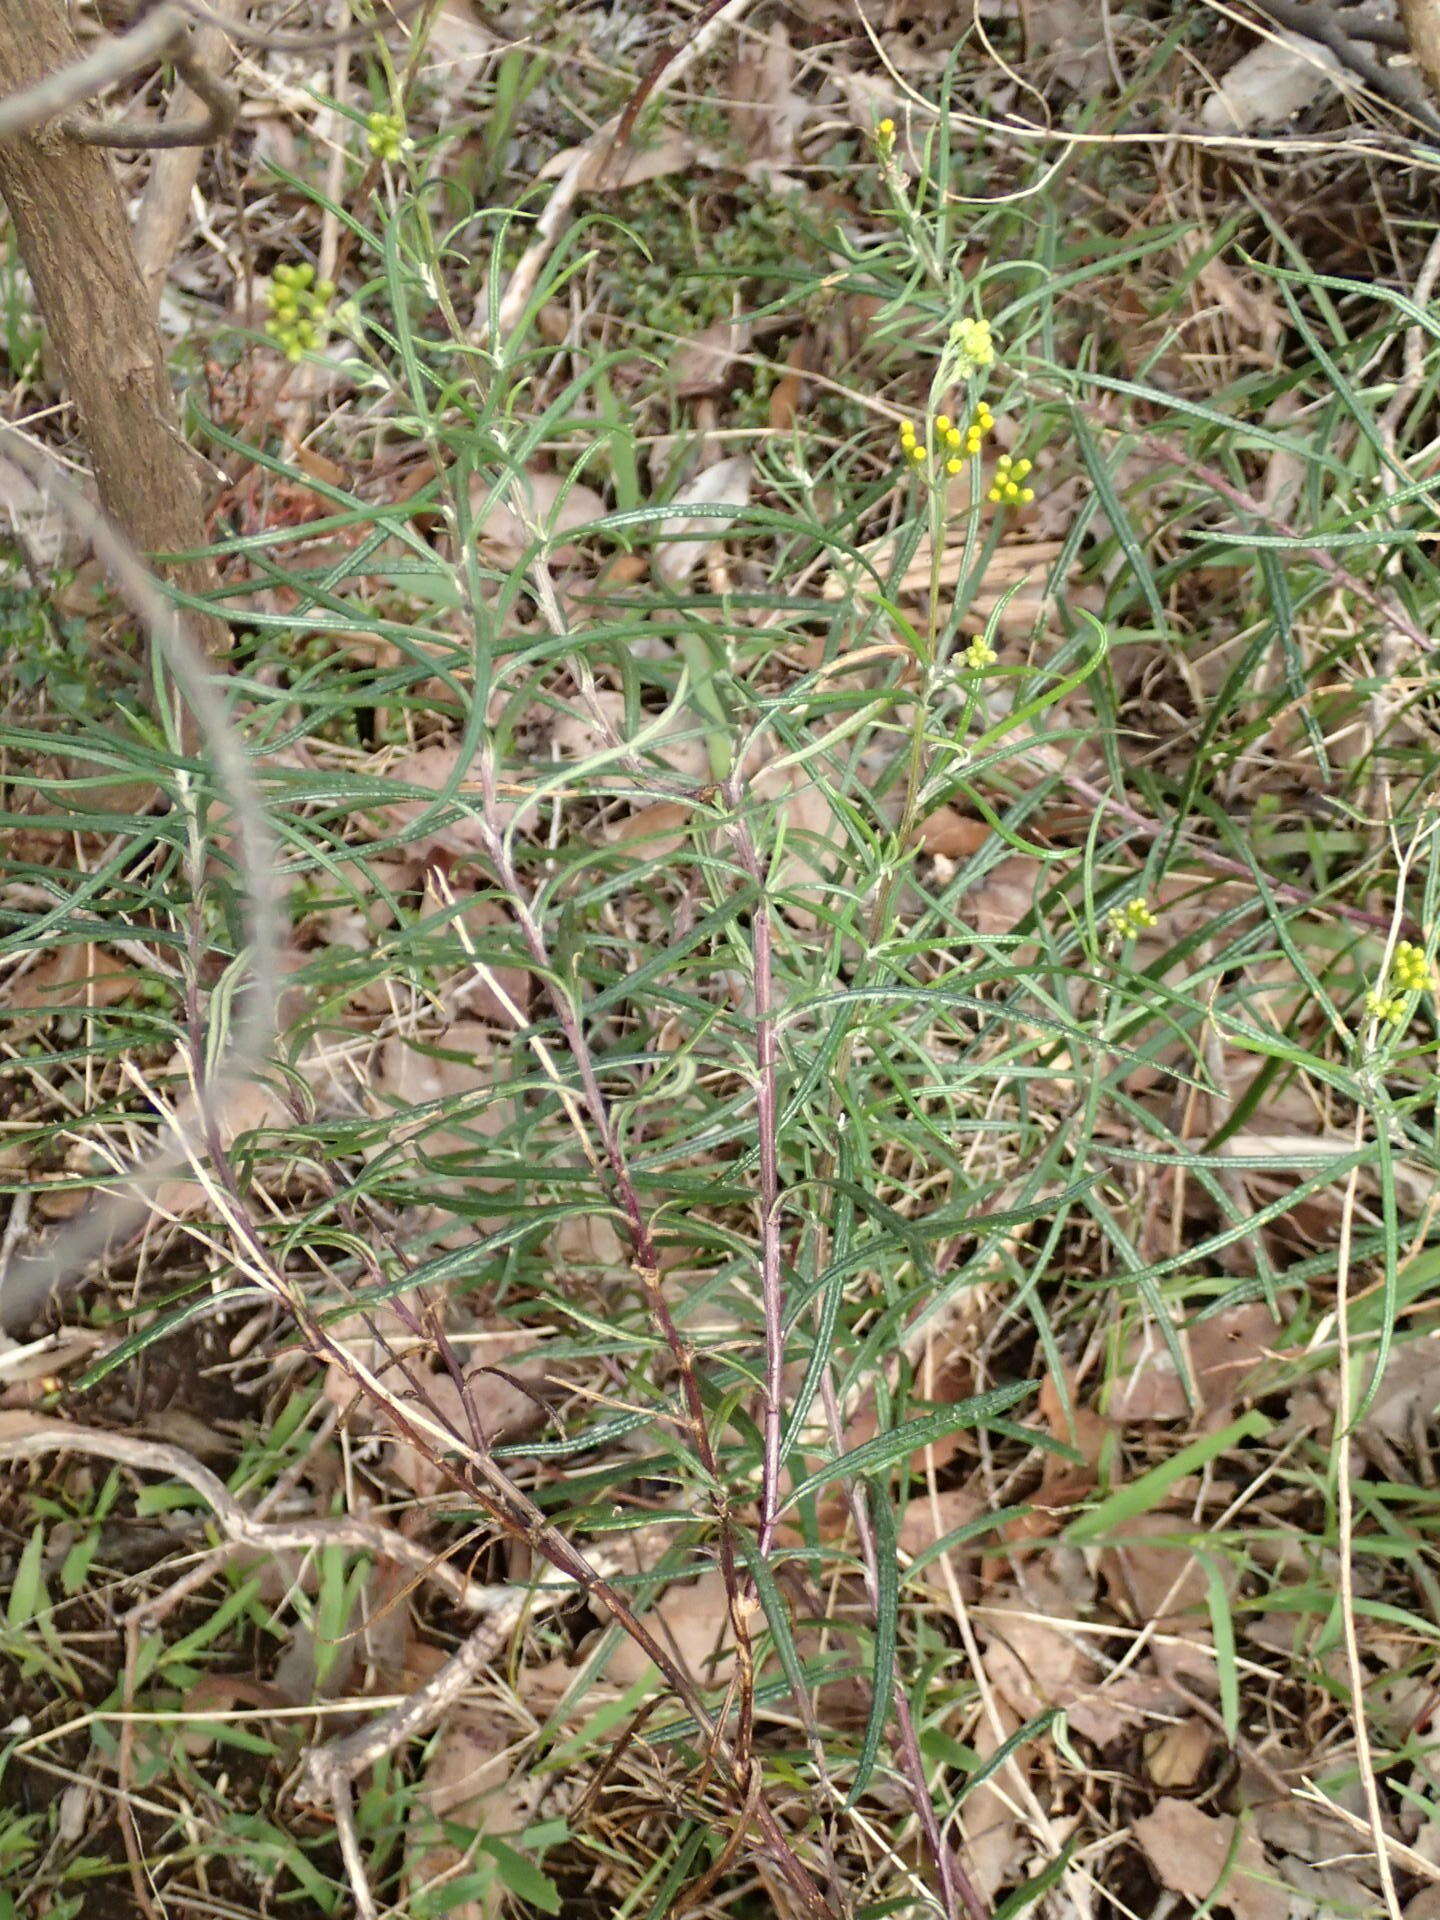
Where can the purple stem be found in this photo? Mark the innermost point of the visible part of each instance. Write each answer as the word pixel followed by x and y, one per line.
pixel 772 1292
pixel 956 1887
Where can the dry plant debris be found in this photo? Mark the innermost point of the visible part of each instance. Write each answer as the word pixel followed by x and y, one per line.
pixel 822 1300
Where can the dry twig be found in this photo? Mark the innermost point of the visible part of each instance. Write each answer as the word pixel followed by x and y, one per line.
pixel 592 154
pixel 27 1436
pixel 29 1283
pixel 112 61
pixel 1345 34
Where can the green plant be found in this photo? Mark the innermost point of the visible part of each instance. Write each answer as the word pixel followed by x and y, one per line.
pixel 827 964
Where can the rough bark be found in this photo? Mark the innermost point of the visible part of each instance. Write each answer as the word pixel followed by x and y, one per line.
pixel 1421 20
pixel 75 241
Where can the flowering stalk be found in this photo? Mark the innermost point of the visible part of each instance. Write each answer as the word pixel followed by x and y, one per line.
pixel 767 1108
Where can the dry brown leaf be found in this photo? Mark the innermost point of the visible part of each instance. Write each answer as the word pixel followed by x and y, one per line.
pixel 468 1782
pixel 1189 1850
pixel 478 987
pixel 1154 1581
pixel 366 913
pixel 608 169
pixel 1075 1425
pixel 1032 1661
pixel 659 830
pixel 1250 311
pixel 811 834
pixel 702 362
pixel 999 901
pixel 1012 560
pixel 590 727
pixel 505 1384
pixel 1070 35
pixel 1176 1756
pixel 80 974
pixel 1113 1710
pixel 1287 1822
pixel 251 1107
pixel 457 48
pixel 1328 1893
pixel 765 108
pixel 1225 1351
pixel 953 835
pixel 1277 79
pixel 505 1398
pixel 551 503
pixel 588 1242
pixel 435 768
pixel 1409 1391
pixel 994 1841
pixel 215 1696
pixel 414 1070
pixel 692 1618
pixel 926 1520
pixel 685 539
pixel 785 396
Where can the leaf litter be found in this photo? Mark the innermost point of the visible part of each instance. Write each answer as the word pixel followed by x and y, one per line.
pixel 417 1056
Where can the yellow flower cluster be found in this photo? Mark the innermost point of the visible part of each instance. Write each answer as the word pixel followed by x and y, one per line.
pixel 385 135
pixel 974 346
pixel 299 308
pixel 1412 975
pixel 1009 486
pixel 1131 920
pixel 885 137
pixel 1409 973
pixel 979 654
pixel 952 442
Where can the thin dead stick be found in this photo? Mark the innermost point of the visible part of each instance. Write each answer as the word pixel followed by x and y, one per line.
pixel 219 105
pixel 767 1113
pixel 1305 16
pixel 329 1772
pixel 273 40
pixel 112 61
pixel 1334 31
pixel 589 162
pixel 1345 1534
pixel 352 1754
pixel 29 1283
pixel 956 1887
pixel 1222 863
pixel 156 34
pixel 480 1477
pixel 27 1436
pixel 149 1613
pixel 342 1805
pixel 1310 1794
pixel 165 204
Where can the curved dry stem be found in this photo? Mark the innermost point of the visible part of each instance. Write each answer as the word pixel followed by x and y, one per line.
pixel 276 41
pixel 27 1436
pixel 29 1283
pixel 220 110
pixel 112 61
